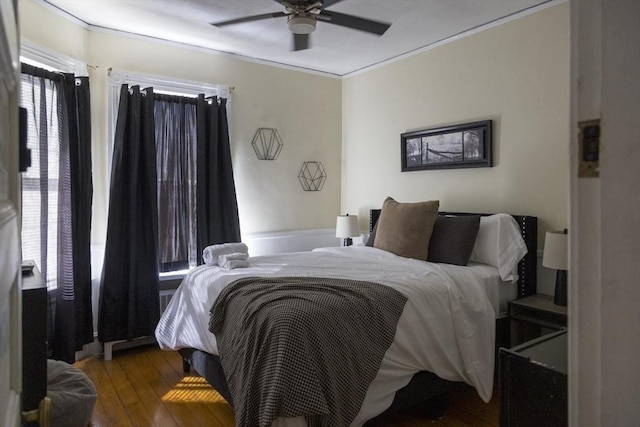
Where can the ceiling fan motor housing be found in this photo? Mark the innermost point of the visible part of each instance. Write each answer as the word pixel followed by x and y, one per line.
pixel 300 24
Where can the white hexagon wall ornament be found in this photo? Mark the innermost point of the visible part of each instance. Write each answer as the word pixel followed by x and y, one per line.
pixel 267 143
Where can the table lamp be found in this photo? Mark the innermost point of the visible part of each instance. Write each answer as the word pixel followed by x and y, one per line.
pixel 555 256
pixel 347 227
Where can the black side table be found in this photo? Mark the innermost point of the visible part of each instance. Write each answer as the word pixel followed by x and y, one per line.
pixel 533 383
pixel 34 339
pixel 533 316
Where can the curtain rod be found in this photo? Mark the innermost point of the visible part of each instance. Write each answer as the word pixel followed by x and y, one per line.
pixel 117 77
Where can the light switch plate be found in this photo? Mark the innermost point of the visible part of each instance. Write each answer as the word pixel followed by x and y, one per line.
pixel 589 149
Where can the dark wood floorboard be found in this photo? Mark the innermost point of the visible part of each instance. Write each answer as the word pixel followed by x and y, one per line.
pixel 145 386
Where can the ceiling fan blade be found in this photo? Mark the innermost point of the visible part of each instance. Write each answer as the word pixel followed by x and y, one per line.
pixel 354 22
pixel 249 19
pixel 327 3
pixel 300 41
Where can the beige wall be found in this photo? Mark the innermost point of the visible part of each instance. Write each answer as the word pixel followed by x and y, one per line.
pixel 305 108
pixel 516 74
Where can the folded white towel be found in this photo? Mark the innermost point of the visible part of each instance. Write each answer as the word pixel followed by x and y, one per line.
pixel 236 256
pixel 211 253
pixel 235 263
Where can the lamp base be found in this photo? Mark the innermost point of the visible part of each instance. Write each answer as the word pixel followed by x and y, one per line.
pixel 347 241
pixel 560 297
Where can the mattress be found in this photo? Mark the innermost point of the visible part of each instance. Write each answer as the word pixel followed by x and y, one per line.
pixel 447 326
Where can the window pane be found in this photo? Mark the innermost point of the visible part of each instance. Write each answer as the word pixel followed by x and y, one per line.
pixel 175 121
pixel 40 181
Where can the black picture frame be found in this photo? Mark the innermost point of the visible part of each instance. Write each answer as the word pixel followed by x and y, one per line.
pixel 465 145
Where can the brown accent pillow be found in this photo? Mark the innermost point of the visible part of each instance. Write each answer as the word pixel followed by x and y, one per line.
pixel 453 239
pixel 405 228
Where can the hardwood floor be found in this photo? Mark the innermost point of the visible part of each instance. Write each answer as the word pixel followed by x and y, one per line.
pixel 145 386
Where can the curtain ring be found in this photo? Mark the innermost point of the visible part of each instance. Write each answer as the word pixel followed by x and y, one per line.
pixel 143 92
pixel 78 82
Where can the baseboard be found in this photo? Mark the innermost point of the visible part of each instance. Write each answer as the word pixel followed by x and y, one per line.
pixel 96 348
pixel 110 347
pixel 91 349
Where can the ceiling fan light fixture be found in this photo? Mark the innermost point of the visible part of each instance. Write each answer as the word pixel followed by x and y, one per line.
pixel 301 24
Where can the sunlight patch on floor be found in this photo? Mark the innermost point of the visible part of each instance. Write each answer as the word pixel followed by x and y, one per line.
pixel 193 389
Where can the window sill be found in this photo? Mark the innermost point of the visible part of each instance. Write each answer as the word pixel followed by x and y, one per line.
pixel 173 275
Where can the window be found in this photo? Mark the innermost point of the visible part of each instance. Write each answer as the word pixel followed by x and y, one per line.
pixel 176 146
pixel 57 197
pixel 40 184
pixel 175 123
pixel 40 212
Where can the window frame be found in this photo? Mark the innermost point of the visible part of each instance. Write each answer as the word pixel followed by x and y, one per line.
pixel 40 56
pixel 168 85
pixel 116 78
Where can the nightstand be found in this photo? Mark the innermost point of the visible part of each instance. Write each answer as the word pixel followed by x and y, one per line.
pixel 534 316
pixel 533 383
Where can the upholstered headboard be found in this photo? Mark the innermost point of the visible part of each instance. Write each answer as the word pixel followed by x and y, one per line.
pixel 527 268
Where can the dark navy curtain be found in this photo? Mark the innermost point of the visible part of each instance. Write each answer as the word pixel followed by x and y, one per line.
pixel 59 131
pixel 129 300
pixel 217 205
pixel 172 194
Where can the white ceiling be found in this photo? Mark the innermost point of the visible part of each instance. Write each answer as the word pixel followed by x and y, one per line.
pixel 415 25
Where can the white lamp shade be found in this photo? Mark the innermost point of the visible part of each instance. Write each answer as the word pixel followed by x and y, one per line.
pixel 555 250
pixel 347 226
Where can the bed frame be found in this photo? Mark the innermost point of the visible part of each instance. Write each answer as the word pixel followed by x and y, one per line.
pixel 426 391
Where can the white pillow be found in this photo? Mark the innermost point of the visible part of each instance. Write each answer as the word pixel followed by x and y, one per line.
pixel 499 243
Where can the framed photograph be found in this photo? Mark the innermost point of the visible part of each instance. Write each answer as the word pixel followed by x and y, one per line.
pixel 460 146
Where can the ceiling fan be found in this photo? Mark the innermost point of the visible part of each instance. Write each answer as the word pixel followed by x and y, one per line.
pixel 302 16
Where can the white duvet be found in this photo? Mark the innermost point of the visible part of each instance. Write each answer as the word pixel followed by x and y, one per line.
pixel 447 326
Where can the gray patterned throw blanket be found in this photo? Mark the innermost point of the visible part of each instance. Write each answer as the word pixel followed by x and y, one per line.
pixel 302 346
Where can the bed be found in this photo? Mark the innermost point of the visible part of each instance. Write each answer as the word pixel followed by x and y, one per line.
pixel 407 376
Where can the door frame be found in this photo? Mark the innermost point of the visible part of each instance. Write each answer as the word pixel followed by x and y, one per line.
pixel 10 256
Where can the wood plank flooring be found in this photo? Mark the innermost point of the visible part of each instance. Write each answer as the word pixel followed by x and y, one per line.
pixel 145 386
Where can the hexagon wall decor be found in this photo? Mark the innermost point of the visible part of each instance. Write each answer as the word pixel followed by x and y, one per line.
pixel 312 176
pixel 267 143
